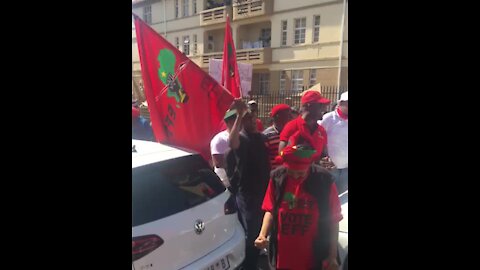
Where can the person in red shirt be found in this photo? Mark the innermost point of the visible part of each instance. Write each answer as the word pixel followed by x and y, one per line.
pixel 312 108
pixel 253 107
pixel 302 212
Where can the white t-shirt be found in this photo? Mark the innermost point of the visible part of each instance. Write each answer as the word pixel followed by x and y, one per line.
pixel 219 143
pixel 337 134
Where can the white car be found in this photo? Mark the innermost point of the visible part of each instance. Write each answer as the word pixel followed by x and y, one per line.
pixel 343 231
pixel 182 215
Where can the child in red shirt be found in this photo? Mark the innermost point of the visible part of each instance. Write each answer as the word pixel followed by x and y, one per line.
pixel 302 205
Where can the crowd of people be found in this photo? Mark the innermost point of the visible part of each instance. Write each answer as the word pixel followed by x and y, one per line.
pixel 286 179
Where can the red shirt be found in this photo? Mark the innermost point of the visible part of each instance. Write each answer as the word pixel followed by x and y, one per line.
pixel 259 125
pixel 299 123
pixel 297 223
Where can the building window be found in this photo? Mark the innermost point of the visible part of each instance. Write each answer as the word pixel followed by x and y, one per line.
pixel 147 14
pixel 210 44
pixel 195 49
pixel 186 45
pixel 283 82
pixel 265 37
pixel 316 28
pixel 177 43
pixel 313 77
pixel 185 8
pixel 297 80
pixel 300 28
pixel 194 6
pixel 283 42
pixel 264 80
pixel 176 8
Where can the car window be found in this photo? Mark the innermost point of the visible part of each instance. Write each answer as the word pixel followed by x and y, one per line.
pixel 168 187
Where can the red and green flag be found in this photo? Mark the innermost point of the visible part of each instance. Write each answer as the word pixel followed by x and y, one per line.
pixel 230 75
pixel 186 105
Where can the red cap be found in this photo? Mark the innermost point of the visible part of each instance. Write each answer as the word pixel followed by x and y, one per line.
pixel 277 108
pixel 312 96
pixel 135 112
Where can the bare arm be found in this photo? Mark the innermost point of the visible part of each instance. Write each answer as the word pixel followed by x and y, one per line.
pixel 267 223
pixel 218 160
pixel 261 241
pixel 334 242
pixel 234 136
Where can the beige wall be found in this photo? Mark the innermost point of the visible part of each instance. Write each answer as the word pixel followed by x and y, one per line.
pixel 330 19
pixel 282 5
pixel 305 52
pixel 172 23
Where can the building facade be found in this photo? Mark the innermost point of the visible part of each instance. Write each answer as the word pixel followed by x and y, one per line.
pixel 292 45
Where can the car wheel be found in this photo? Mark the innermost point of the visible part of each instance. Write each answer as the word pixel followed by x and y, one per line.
pixel 345 263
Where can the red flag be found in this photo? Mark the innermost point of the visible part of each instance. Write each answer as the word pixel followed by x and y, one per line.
pixel 186 105
pixel 230 75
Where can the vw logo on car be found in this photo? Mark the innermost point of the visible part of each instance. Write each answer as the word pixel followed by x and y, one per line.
pixel 199 226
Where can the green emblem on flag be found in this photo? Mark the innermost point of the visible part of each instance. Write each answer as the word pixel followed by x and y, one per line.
pixel 166 73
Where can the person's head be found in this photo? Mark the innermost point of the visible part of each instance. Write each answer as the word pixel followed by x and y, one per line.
pixel 314 105
pixel 249 124
pixel 298 156
pixel 229 118
pixel 253 107
pixel 281 114
pixel 343 103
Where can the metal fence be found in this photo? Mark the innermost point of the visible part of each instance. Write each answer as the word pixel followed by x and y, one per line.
pixel 267 101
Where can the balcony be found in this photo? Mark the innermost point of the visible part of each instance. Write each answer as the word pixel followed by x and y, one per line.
pixel 255 56
pixel 253 8
pixel 215 15
pixel 206 58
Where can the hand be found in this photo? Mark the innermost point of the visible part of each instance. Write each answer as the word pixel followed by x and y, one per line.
pixel 240 106
pixel 261 242
pixel 327 163
pixel 331 264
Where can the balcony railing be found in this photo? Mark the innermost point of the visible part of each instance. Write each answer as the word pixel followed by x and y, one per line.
pixel 252 56
pixel 215 15
pixel 206 58
pixel 255 56
pixel 252 8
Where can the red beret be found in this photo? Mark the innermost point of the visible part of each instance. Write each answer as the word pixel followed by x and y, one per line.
pixel 312 96
pixel 277 108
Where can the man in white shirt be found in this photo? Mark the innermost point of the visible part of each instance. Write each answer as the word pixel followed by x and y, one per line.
pixel 219 147
pixel 336 125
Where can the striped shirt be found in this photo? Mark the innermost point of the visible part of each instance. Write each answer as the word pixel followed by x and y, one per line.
pixel 273 140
